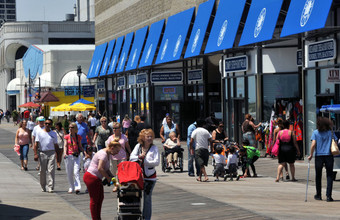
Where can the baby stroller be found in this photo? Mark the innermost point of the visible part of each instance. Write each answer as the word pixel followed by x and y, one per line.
pixel 129 194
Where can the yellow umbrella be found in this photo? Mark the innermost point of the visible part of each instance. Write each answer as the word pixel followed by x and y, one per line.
pixel 81 107
pixel 61 108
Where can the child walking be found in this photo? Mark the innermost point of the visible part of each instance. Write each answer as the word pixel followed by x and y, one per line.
pixel 219 161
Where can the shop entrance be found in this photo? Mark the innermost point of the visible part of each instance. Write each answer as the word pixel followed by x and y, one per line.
pixel 182 113
pixel 238 119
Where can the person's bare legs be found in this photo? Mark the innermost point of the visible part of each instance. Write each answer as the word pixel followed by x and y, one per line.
pixel 292 171
pixel 279 172
pixel 204 173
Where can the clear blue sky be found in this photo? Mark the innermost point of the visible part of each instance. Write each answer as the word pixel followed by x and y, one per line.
pixel 44 10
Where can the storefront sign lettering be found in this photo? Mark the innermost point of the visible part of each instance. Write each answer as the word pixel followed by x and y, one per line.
pixel 88 91
pixel 333 75
pixel 142 78
pixel 236 64
pixel 322 50
pixel 71 90
pixel 166 77
pixel 121 81
pixel 195 75
pixel 169 90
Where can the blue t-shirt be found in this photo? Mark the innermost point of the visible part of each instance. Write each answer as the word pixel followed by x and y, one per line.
pixel 323 142
pixel 82 131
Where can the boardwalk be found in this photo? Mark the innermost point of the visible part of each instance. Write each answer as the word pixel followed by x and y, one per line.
pixel 178 196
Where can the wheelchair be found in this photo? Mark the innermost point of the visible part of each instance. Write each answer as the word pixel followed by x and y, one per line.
pixel 164 160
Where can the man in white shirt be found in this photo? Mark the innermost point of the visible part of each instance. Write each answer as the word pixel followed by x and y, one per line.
pixel 92 122
pixel 36 130
pixel 202 138
pixel 48 143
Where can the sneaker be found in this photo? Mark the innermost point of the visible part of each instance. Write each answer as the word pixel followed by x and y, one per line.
pixel 316 197
pixel 191 174
pixel 77 192
pixel 287 177
pixel 217 180
pixel 330 199
pixel 50 191
pixel 43 190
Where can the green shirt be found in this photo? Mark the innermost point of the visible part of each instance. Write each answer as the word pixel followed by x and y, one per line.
pixel 251 153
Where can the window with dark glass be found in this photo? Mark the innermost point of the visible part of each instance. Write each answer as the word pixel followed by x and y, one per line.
pixel 10 6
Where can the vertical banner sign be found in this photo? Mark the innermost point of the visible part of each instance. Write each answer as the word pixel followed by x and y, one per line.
pixel 299 57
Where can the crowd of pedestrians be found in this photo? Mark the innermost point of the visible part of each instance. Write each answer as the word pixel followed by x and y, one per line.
pixel 99 144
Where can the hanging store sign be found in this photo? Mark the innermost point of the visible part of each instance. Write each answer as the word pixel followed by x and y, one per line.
pixel 121 81
pixel 88 91
pixel 333 75
pixel 322 50
pixel 132 80
pixel 167 77
pixel 101 84
pixel 236 64
pixel 142 78
pixel 195 76
pixel 299 57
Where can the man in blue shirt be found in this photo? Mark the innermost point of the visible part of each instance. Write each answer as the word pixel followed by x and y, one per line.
pixel 83 130
pixel 191 158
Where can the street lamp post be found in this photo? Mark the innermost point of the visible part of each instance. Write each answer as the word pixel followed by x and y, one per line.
pixel 79 74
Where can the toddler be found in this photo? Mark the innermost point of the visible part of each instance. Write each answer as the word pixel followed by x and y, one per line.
pixel 232 163
pixel 219 162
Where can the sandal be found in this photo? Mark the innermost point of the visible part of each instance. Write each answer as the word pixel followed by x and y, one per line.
pixel 205 180
pixel 198 180
pixel 287 176
pixel 277 180
pixel 22 168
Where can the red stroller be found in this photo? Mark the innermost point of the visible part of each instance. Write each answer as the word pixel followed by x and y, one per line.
pixel 129 195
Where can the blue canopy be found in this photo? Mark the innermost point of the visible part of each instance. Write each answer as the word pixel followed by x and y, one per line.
pixel 136 49
pixel 84 101
pixel 199 30
pixel 125 52
pixel 107 58
pixel 330 108
pixel 115 55
pixel 175 34
pixel 304 16
pixel 261 21
pixel 225 26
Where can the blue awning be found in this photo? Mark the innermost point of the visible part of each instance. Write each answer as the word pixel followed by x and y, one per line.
pixel 33 61
pixel 125 52
pixel 174 36
pixel 107 57
pixel 151 43
pixel 261 21
pixel 136 49
pixel 97 59
pixel 199 29
pixel 306 15
pixel 115 55
pixel 225 26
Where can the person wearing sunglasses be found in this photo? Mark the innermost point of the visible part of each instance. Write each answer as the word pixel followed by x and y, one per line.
pixel 48 144
pixel 219 136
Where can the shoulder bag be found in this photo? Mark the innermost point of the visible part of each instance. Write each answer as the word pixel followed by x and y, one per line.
pixel 334 147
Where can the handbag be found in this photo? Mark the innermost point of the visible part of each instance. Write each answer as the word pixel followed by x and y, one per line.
pixel 334 147
pixel 275 149
pixel 16 148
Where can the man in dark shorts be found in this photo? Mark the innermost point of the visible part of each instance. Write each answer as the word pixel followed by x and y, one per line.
pixel 202 138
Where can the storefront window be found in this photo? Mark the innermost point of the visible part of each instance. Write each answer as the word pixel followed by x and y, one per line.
pixel 278 87
pixel 165 93
pixel 310 108
pixel 142 103
pixel 147 109
pixel 326 87
pixel 252 96
pixel 240 87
